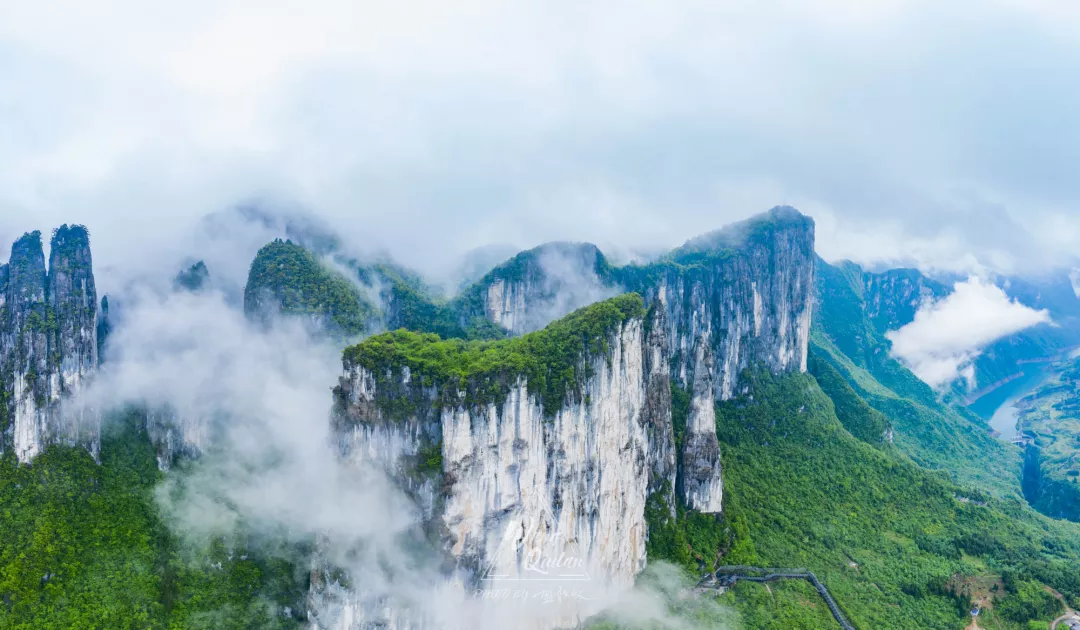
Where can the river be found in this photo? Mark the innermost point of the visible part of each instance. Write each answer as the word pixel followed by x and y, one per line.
pixel 998 406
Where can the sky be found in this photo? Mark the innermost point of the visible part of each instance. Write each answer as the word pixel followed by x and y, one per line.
pixel 928 133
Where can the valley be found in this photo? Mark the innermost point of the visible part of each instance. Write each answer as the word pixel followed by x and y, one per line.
pixel 998 407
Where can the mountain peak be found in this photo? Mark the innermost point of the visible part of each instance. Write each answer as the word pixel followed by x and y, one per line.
pixel 742 233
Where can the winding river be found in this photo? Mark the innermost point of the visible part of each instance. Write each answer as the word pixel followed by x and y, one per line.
pixel 999 406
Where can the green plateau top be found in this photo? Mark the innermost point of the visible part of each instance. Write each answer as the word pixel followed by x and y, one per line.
pixel 553 361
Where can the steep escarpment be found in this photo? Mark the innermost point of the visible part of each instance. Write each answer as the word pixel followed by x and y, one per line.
pixel 736 298
pixel 894 296
pixel 48 342
pixel 537 286
pixel 546 444
pixel 740 297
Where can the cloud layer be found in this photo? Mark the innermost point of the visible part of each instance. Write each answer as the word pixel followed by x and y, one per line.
pixel 947 334
pixel 912 131
pixel 257 401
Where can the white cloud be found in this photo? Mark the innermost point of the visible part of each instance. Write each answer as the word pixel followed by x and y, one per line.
pixel 947 335
pixel 258 402
pixel 433 128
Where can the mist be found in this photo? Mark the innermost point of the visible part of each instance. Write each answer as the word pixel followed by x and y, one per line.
pixel 428 131
pixel 946 335
pixel 253 402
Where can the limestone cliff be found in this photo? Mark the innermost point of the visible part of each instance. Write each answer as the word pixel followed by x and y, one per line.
pixel 48 342
pixel 737 299
pixel 746 291
pixel 894 296
pixel 538 286
pixel 528 465
pixel 517 445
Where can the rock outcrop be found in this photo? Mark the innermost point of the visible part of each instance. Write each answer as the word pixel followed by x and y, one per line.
pixel 505 470
pixel 523 478
pixel 737 299
pixel 746 291
pixel 48 343
pixel 894 296
pixel 538 286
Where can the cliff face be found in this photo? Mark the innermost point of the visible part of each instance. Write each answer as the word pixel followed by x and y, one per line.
pixel 745 292
pixel 893 297
pixel 538 286
pixel 737 299
pixel 520 479
pixel 503 468
pixel 175 436
pixel 48 342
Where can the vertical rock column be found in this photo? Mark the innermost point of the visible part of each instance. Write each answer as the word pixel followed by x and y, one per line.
pixel 25 347
pixel 656 412
pixel 702 478
pixel 48 343
pixel 73 347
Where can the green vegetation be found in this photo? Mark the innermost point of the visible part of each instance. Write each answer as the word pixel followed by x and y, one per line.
pixel 72 244
pixel 1030 601
pixel 413 307
pixel 691 540
pixel 84 547
pixel 859 418
pixel 230 584
pixel 787 604
pixel 554 361
pixel 934 435
pixel 884 535
pixel 28 257
pixel 755 230
pixel 286 278
pixel 1049 419
pixel 81 546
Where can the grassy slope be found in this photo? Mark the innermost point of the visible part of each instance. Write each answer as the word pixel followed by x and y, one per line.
pixel 884 535
pixel 934 435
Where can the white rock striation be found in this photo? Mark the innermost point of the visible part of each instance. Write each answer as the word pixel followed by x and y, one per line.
pixel 48 343
pixel 521 487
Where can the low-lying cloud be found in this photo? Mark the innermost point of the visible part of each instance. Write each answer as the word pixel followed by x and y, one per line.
pixel 947 334
pixel 533 121
pixel 256 401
